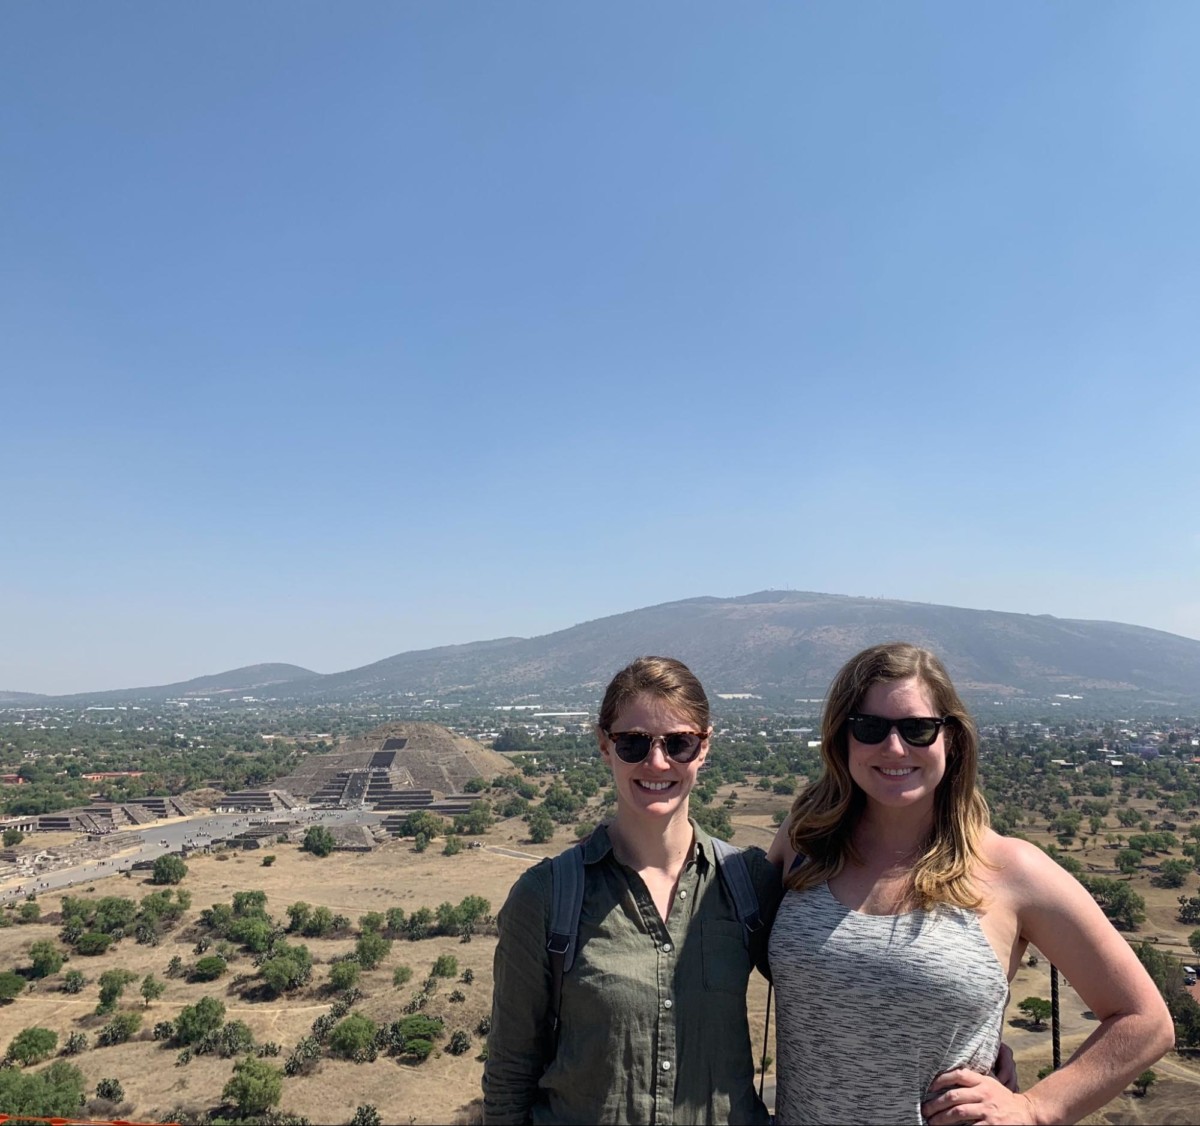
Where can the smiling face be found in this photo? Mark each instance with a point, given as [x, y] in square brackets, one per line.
[894, 773]
[658, 786]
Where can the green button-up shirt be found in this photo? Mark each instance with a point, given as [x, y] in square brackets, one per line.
[653, 1026]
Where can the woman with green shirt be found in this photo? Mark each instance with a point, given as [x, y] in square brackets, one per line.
[652, 1021]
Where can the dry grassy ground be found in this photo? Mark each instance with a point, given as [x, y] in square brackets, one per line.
[435, 1091]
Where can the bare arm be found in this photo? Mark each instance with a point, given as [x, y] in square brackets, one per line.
[1057, 915]
[781, 853]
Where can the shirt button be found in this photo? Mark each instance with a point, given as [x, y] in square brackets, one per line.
[683, 895]
[666, 1065]
[666, 948]
[668, 1003]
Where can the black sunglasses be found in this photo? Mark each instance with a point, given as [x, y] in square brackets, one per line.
[633, 746]
[916, 731]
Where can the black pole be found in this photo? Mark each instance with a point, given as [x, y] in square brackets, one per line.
[1056, 1039]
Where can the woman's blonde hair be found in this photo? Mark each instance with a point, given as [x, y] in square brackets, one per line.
[826, 812]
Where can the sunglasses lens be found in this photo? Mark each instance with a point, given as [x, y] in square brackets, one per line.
[869, 729]
[917, 732]
[683, 746]
[632, 746]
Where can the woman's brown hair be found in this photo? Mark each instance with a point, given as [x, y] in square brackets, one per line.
[665, 679]
[826, 812]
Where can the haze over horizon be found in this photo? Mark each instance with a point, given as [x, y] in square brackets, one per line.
[335, 332]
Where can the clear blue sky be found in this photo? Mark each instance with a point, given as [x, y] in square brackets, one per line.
[330, 331]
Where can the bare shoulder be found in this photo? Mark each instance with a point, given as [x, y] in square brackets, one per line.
[1023, 871]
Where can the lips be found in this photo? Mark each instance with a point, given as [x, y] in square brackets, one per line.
[896, 771]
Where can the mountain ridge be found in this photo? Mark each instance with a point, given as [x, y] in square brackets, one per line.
[778, 642]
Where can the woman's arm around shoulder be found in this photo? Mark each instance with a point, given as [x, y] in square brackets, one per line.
[520, 1037]
[781, 853]
[1058, 915]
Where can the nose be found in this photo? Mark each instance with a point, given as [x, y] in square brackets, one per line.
[894, 743]
[658, 756]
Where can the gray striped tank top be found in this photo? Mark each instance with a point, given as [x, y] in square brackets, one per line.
[873, 1007]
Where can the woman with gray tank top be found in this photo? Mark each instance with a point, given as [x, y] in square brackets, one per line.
[906, 917]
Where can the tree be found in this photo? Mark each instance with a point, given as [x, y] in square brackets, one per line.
[366, 1115]
[197, 1021]
[73, 981]
[112, 985]
[344, 974]
[208, 968]
[541, 827]
[169, 870]
[32, 1045]
[1037, 1009]
[1194, 942]
[459, 1043]
[452, 847]
[445, 966]
[111, 1090]
[352, 1036]
[255, 1087]
[119, 1029]
[371, 949]
[47, 958]
[13, 837]
[1143, 1082]
[1172, 873]
[1189, 909]
[54, 1092]
[92, 944]
[318, 840]
[289, 968]
[1128, 861]
[152, 988]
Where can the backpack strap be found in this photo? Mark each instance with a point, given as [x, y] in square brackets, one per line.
[566, 905]
[731, 865]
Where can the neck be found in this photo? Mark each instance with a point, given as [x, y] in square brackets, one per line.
[640, 843]
[892, 836]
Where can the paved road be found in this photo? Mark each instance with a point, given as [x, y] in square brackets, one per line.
[194, 830]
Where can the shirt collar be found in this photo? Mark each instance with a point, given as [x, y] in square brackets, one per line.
[599, 845]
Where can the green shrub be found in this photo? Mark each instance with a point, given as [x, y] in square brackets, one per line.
[343, 975]
[318, 840]
[169, 870]
[352, 1037]
[371, 949]
[46, 958]
[111, 1090]
[119, 1029]
[32, 1045]
[54, 1092]
[208, 968]
[445, 966]
[92, 943]
[401, 975]
[460, 1042]
[11, 985]
[255, 1087]
[196, 1021]
[77, 1042]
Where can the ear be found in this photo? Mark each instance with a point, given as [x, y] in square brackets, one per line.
[704, 747]
[605, 748]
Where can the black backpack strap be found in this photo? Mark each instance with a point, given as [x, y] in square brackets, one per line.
[566, 905]
[731, 865]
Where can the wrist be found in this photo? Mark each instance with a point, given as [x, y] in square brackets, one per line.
[1033, 1118]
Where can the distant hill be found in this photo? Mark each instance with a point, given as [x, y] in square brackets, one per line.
[248, 680]
[781, 643]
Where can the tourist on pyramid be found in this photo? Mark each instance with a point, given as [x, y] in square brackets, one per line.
[640, 1017]
[906, 918]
